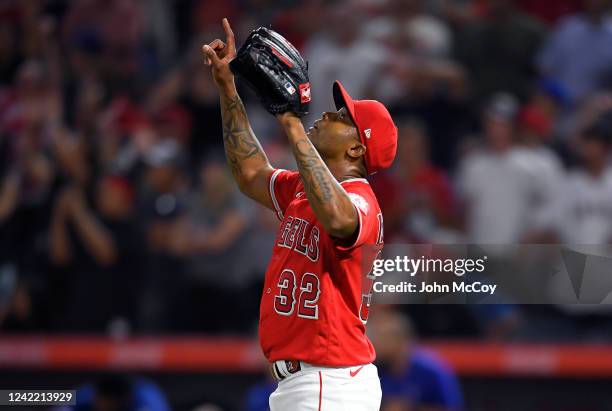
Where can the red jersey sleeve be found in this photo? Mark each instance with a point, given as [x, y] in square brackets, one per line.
[370, 227]
[283, 185]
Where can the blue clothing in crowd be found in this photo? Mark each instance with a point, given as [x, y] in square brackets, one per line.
[145, 396]
[426, 381]
[258, 395]
[578, 55]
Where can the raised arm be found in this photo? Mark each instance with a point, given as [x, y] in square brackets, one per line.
[326, 196]
[246, 158]
[95, 237]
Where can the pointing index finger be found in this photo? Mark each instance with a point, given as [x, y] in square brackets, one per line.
[230, 35]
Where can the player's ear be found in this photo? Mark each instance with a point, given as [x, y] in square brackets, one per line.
[356, 150]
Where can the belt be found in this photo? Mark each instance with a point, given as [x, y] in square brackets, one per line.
[282, 369]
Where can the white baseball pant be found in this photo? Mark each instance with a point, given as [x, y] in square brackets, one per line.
[329, 389]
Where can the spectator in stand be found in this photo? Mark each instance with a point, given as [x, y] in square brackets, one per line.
[418, 78]
[535, 129]
[28, 111]
[584, 217]
[411, 378]
[162, 202]
[497, 180]
[338, 47]
[585, 203]
[418, 201]
[119, 393]
[95, 21]
[161, 36]
[578, 53]
[96, 242]
[211, 234]
[202, 103]
[546, 115]
[407, 24]
[498, 51]
[163, 197]
[31, 105]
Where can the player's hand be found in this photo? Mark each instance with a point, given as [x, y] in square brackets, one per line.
[218, 55]
[288, 119]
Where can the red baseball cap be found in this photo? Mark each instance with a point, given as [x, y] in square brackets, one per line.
[376, 128]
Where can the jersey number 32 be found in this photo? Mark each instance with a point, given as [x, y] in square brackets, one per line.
[309, 291]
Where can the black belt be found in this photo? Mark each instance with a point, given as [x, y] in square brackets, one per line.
[284, 368]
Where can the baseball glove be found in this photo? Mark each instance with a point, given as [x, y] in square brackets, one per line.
[275, 70]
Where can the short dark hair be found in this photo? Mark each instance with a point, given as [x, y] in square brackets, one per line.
[600, 129]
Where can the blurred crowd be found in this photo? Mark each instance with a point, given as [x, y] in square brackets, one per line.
[118, 214]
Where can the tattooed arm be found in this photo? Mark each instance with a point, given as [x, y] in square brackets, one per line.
[247, 160]
[326, 196]
[249, 163]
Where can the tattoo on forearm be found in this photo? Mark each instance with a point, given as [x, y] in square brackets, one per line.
[239, 141]
[315, 175]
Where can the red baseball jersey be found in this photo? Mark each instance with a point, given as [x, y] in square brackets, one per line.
[317, 289]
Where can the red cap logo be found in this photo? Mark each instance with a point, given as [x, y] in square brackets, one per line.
[375, 125]
[304, 92]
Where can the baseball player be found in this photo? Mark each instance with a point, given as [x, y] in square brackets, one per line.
[316, 294]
